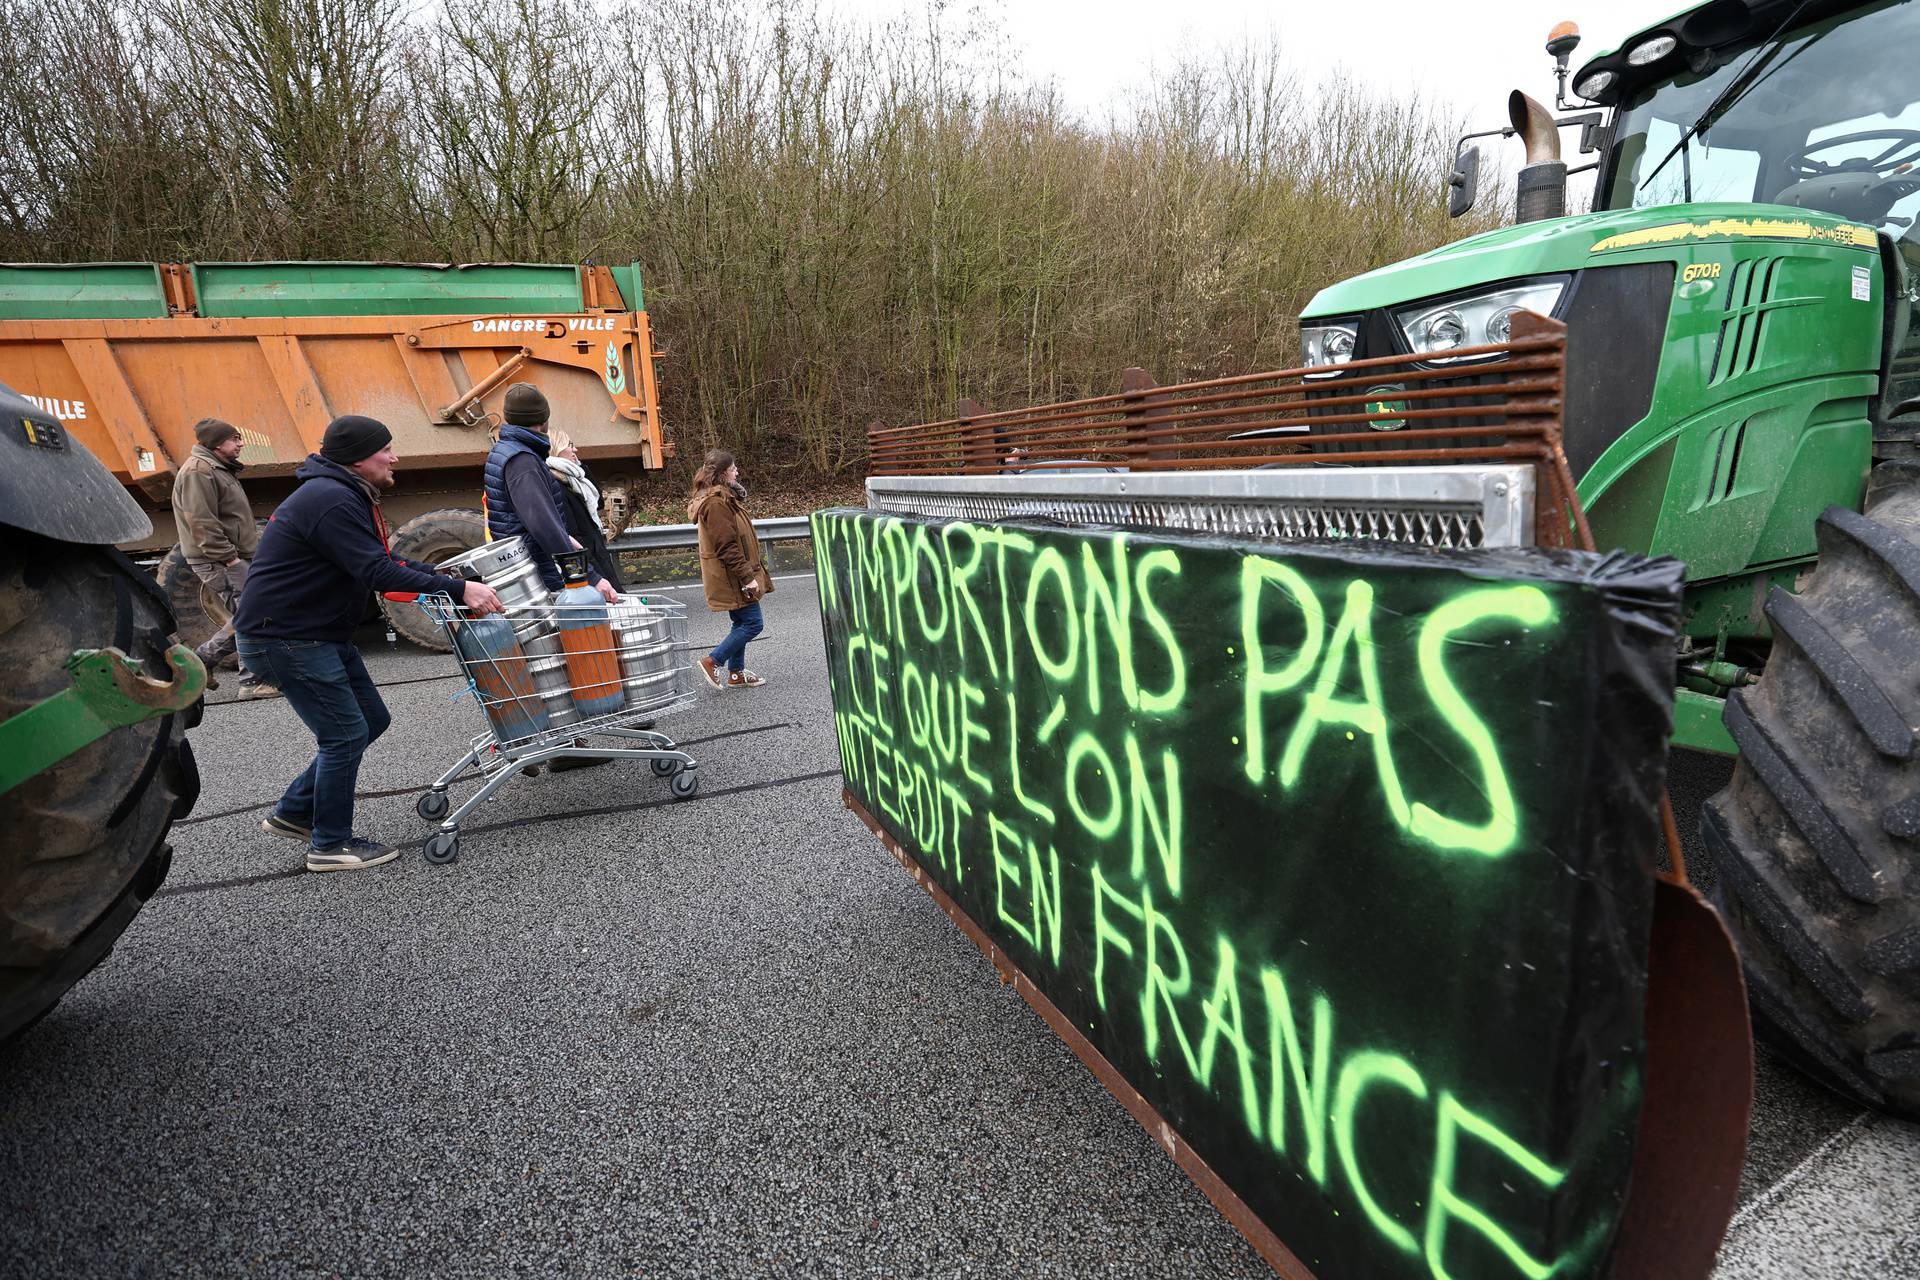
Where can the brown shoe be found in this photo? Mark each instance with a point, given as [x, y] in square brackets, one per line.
[709, 672]
[743, 679]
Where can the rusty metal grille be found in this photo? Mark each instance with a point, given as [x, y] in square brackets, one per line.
[1494, 412]
[1452, 507]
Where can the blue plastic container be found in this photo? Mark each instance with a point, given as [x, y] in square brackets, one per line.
[499, 670]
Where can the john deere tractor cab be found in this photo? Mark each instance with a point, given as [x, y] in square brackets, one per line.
[1743, 367]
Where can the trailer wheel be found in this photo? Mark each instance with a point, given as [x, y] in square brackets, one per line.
[85, 840]
[1817, 837]
[616, 506]
[431, 538]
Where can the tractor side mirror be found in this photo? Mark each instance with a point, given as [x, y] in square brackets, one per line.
[1593, 130]
[1463, 184]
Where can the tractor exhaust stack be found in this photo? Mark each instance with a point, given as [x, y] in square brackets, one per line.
[1543, 182]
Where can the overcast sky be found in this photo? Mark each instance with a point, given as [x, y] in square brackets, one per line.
[1467, 56]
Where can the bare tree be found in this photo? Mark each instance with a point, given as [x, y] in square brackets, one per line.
[509, 142]
[96, 171]
[295, 100]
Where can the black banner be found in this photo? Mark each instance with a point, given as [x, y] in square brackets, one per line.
[1341, 856]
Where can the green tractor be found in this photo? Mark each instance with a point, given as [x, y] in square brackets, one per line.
[1743, 393]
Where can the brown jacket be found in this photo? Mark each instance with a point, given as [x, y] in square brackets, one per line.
[211, 509]
[729, 549]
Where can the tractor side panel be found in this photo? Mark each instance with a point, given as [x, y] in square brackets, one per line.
[1768, 368]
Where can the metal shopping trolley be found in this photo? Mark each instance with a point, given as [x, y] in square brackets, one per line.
[549, 677]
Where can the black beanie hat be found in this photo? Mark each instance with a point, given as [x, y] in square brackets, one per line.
[352, 438]
[525, 406]
[212, 432]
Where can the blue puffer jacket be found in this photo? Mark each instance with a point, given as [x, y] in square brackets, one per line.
[324, 549]
[503, 521]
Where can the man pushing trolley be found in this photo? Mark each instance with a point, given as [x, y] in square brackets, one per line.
[552, 672]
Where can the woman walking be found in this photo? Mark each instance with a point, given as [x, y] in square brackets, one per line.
[581, 507]
[731, 568]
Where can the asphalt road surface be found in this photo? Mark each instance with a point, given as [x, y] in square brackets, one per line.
[628, 1036]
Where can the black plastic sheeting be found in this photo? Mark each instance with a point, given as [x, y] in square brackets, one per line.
[1341, 854]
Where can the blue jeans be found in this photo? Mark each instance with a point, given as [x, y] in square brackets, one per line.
[329, 689]
[731, 653]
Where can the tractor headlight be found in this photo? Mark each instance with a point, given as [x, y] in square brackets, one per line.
[1649, 51]
[1434, 328]
[1324, 344]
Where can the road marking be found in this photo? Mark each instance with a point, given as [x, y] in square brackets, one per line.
[235, 882]
[1792, 1177]
[1844, 1213]
[198, 818]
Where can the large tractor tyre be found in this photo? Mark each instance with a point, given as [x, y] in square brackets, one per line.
[430, 539]
[85, 840]
[197, 612]
[1817, 837]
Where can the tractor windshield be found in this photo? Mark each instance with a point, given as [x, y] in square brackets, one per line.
[1827, 117]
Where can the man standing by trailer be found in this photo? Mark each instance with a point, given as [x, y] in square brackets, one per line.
[217, 533]
[323, 552]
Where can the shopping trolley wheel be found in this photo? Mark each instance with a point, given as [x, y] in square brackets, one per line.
[432, 806]
[684, 784]
[443, 847]
[666, 768]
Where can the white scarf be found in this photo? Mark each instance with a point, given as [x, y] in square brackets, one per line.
[574, 476]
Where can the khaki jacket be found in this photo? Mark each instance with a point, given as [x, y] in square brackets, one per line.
[729, 549]
[211, 509]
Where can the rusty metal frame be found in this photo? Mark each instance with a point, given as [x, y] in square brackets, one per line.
[1282, 1259]
[1204, 425]
[176, 285]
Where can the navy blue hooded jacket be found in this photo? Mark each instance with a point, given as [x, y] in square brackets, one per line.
[523, 497]
[322, 552]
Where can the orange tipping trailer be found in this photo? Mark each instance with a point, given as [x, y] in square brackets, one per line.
[130, 355]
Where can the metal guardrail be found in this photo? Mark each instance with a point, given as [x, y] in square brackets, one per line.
[660, 537]
[654, 537]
